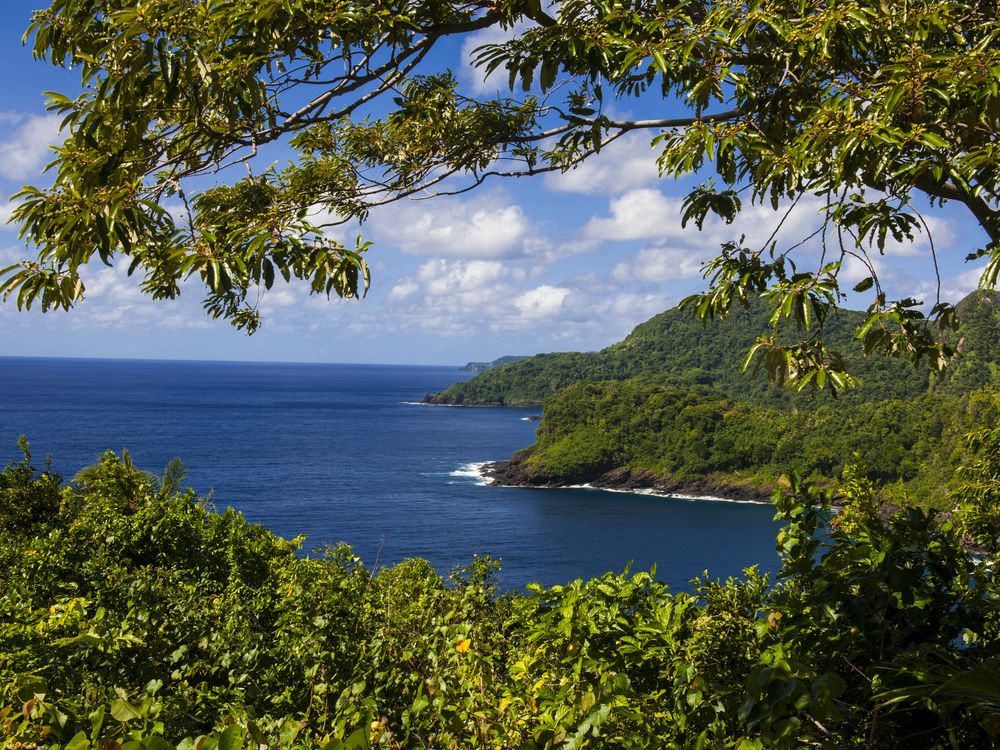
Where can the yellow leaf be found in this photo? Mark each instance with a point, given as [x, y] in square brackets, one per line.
[463, 645]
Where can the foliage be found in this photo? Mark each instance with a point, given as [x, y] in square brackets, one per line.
[141, 618]
[27, 502]
[977, 500]
[849, 101]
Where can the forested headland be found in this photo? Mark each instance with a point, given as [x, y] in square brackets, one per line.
[668, 408]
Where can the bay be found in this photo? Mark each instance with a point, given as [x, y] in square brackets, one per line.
[345, 453]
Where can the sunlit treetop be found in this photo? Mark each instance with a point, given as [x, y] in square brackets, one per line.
[864, 103]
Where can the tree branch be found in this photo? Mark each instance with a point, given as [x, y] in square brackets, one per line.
[988, 218]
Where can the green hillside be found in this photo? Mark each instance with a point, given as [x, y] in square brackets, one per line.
[668, 407]
[136, 618]
[677, 345]
[643, 432]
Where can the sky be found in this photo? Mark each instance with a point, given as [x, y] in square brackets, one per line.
[562, 262]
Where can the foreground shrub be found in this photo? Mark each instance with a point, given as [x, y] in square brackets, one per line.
[132, 615]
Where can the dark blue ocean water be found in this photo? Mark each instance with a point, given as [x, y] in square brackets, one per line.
[341, 453]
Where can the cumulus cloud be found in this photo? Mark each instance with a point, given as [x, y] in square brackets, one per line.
[112, 299]
[468, 296]
[547, 249]
[933, 228]
[6, 211]
[26, 147]
[486, 226]
[475, 298]
[404, 289]
[659, 263]
[541, 302]
[642, 213]
[854, 269]
[956, 287]
[646, 213]
[628, 163]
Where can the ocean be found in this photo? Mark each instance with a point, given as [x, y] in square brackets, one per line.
[347, 453]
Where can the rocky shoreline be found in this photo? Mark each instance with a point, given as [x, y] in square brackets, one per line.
[441, 399]
[516, 473]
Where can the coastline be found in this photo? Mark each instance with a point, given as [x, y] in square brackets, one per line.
[439, 399]
[512, 474]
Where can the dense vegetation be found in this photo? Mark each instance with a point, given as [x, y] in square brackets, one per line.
[644, 432]
[676, 344]
[668, 407]
[132, 615]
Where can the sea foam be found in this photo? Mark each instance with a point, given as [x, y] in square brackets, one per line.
[650, 492]
[472, 470]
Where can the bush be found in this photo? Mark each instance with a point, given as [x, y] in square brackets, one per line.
[132, 615]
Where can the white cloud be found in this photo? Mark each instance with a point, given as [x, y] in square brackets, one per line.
[853, 269]
[26, 149]
[958, 286]
[6, 211]
[544, 248]
[953, 288]
[403, 289]
[641, 213]
[441, 277]
[284, 297]
[646, 213]
[112, 299]
[627, 163]
[486, 226]
[940, 231]
[475, 298]
[542, 302]
[635, 308]
[659, 263]
[469, 296]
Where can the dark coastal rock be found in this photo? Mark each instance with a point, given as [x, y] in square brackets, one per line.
[444, 399]
[441, 399]
[518, 473]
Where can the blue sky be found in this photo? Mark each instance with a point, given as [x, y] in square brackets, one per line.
[561, 262]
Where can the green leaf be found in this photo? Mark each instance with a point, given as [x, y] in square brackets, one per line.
[124, 711]
[358, 740]
[232, 738]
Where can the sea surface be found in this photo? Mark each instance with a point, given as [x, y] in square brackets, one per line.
[347, 453]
